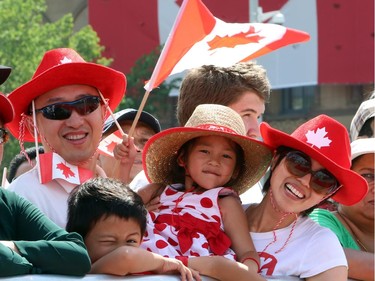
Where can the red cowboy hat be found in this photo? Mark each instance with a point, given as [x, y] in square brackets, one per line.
[61, 67]
[6, 108]
[326, 141]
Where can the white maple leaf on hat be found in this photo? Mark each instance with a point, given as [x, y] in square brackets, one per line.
[65, 60]
[318, 138]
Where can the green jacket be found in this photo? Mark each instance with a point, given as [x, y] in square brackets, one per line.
[44, 246]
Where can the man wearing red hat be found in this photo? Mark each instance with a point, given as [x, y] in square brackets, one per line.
[30, 243]
[63, 106]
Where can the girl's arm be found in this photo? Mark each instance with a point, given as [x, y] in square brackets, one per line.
[236, 227]
[223, 269]
[127, 260]
[339, 273]
[149, 194]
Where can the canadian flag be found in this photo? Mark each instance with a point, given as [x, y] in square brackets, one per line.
[107, 145]
[198, 38]
[53, 166]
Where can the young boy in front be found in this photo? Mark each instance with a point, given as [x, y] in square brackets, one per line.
[112, 220]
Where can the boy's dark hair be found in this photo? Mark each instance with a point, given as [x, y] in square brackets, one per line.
[20, 158]
[100, 198]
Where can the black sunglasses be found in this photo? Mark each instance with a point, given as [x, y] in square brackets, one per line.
[63, 110]
[299, 165]
[4, 136]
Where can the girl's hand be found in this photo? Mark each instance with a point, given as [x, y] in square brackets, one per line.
[173, 265]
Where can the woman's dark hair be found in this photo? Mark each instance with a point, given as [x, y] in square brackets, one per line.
[100, 198]
[281, 152]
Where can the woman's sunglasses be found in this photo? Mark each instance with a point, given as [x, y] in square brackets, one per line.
[63, 110]
[299, 165]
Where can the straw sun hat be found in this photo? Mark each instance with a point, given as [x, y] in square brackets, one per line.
[160, 152]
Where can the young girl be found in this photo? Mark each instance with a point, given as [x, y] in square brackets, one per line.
[202, 168]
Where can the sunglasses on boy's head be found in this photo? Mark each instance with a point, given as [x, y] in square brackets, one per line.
[299, 165]
[63, 110]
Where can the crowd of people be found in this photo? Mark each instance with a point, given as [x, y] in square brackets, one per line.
[221, 195]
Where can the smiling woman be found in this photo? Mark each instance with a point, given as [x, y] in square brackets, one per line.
[310, 165]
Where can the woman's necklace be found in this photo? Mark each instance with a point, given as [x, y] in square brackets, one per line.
[359, 243]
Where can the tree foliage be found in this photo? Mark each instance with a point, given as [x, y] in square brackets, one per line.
[25, 37]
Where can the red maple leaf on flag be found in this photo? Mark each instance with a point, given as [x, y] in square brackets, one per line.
[67, 172]
[241, 38]
[110, 147]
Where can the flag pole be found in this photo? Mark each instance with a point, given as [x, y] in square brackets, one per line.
[140, 109]
[111, 113]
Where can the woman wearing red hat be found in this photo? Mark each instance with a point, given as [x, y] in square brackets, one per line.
[29, 242]
[310, 165]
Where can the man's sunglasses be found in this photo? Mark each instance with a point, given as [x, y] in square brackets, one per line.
[4, 136]
[299, 165]
[63, 110]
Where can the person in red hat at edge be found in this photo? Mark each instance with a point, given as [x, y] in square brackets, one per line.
[30, 243]
[63, 106]
[309, 166]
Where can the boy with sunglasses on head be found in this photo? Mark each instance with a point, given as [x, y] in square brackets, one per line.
[112, 221]
[62, 107]
[310, 165]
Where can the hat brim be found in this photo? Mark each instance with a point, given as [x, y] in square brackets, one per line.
[111, 84]
[160, 155]
[7, 111]
[4, 73]
[353, 188]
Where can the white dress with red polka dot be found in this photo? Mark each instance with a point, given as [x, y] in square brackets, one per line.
[188, 224]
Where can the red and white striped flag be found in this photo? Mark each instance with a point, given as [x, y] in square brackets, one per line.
[53, 166]
[107, 145]
[198, 38]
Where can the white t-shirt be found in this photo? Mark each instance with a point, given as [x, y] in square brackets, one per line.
[312, 249]
[51, 198]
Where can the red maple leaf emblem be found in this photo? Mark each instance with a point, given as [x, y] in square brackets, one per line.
[111, 146]
[241, 38]
[67, 172]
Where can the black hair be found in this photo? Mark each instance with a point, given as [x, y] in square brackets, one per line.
[20, 158]
[366, 130]
[102, 197]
